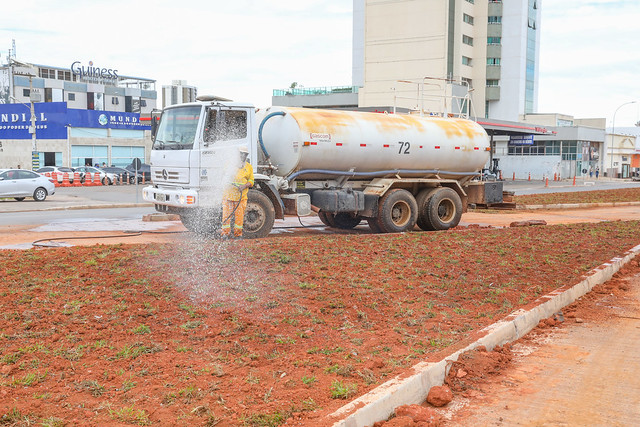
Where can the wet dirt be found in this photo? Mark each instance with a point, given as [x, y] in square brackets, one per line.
[264, 332]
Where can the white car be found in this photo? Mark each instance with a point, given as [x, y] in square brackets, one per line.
[105, 177]
[20, 183]
[60, 171]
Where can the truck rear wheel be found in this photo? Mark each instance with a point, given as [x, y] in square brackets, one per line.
[443, 209]
[259, 215]
[422, 200]
[202, 221]
[327, 218]
[397, 211]
[346, 221]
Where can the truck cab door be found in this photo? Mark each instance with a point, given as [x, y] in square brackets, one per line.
[225, 129]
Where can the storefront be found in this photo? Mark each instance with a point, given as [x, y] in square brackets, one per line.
[70, 137]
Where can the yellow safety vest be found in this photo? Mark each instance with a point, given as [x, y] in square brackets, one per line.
[244, 175]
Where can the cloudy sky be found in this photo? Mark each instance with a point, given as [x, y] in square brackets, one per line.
[589, 59]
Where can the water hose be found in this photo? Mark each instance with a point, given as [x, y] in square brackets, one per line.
[275, 113]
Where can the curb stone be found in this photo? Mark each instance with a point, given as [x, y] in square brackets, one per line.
[381, 402]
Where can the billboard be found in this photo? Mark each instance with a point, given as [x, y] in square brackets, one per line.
[53, 119]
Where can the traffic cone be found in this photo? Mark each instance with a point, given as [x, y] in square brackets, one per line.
[546, 184]
[54, 176]
[65, 180]
[574, 180]
[142, 177]
[76, 180]
[514, 176]
[87, 179]
[119, 179]
[96, 179]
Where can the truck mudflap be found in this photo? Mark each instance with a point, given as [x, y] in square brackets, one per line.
[178, 198]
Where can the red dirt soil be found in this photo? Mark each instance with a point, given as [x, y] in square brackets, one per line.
[265, 332]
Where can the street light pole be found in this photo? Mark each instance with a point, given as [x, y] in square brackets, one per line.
[613, 127]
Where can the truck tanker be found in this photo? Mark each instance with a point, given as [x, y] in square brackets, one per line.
[393, 171]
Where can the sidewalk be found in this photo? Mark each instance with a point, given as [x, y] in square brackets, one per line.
[81, 198]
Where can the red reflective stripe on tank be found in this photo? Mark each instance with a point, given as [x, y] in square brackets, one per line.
[437, 147]
[386, 145]
[339, 144]
[421, 146]
[476, 148]
[363, 145]
[457, 148]
[314, 143]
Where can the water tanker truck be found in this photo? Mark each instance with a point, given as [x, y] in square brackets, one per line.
[393, 171]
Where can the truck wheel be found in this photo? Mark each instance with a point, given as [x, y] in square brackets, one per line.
[443, 210]
[373, 225]
[259, 215]
[327, 218]
[202, 221]
[397, 211]
[346, 221]
[422, 200]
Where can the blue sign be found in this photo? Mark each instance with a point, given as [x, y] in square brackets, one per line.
[521, 140]
[15, 120]
[53, 118]
[105, 119]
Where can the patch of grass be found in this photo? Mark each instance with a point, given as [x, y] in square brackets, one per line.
[130, 415]
[93, 387]
[142, 329]
[131, 351]
[340, 390]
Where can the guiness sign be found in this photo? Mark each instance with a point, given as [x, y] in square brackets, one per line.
[92, 73]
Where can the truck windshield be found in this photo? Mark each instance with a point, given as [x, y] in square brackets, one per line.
[177, 129]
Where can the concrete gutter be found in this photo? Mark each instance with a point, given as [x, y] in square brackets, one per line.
[380, 403]
[576, 205]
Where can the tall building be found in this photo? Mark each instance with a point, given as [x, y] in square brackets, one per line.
[430, 54]
[177, 93]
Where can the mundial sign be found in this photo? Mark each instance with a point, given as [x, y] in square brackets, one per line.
[52, 119]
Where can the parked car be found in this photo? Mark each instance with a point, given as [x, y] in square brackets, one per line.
[20, 183]
[59, 170]
[144, 169]
[127, 176]
[105, 177]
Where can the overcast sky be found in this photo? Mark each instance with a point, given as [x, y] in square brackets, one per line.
[589, 53]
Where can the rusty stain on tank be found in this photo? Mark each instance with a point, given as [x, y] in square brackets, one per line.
[335, 122]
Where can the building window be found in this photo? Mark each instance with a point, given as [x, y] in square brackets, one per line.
[26, 92]
[494, 40]
[493, 83]
[467, 18]
[71, 97]
[471, 1]
[115, 100]
[143, 102]
[493, 61]
[466, 61]
[64, 75]
[467, 40]
[46, 73]
[495, 19]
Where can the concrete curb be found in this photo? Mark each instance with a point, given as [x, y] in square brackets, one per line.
[576, 205]
[79, 207]
[380, 402]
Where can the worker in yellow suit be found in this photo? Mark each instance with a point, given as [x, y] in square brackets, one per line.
[235, 197]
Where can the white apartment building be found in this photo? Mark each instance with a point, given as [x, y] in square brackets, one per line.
[177, 93]
[427, 54]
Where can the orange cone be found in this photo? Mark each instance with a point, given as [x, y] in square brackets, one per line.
[76, 180]
[514, 176]
[574, 180]
[87, 179]
[54, 176]
[546, 184]
[65, 180]
[96, 179]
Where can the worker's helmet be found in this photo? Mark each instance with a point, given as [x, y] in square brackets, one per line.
[243, 150]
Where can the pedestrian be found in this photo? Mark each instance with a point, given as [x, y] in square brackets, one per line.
[235, 197]
[104, 165]
[591, 172]
[597, 172]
